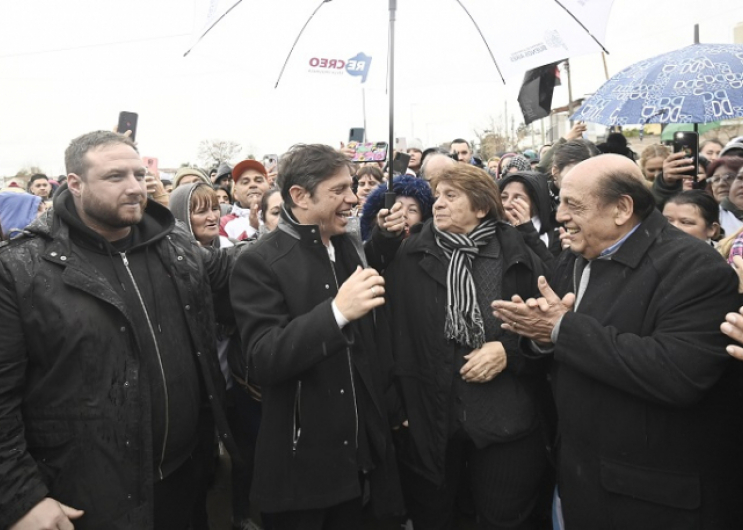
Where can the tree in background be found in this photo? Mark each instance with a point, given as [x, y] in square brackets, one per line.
[492, 144]
[23, 175]
[213, 152]
[494, 138]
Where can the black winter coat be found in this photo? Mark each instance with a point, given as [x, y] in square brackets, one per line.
[425, 360]
[74, 412]
[322, 387]
[648, 400]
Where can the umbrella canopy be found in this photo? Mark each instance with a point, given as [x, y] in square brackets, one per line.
[671, 129]
[352, 42]
[345, 42]
[700, 83]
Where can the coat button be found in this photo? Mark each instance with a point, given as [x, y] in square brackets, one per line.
[345, 442]
[224, 436]
[327, 286]
[198, 354]
[211, 397]
[315, 241]
[127, 443]
[53, 254]
[126, 383]
[342, 391]
[122, 329]
[129, 496]
[313, 230]
[188, 308]
[180, 258]
[63, 258]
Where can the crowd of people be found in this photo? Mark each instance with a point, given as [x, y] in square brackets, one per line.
[545, 339]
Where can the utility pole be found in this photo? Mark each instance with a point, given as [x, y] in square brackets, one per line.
[505, 120]
[541, 126]
[570, 91]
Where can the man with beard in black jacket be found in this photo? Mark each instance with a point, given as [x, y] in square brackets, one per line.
[108, 368]
[304, 303]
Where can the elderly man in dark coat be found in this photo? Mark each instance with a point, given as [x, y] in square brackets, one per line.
[647, 398]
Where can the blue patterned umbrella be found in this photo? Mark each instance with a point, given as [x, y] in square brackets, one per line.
[697, 84]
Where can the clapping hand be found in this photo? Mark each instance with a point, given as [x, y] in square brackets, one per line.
[534, 318]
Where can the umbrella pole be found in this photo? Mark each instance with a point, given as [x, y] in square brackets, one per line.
[696, 41]
[389, 196]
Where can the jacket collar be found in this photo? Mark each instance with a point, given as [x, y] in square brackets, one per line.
[76, 272]
[511, 244]
[304, 233]
[310, 235]
[433, 261]
[637, 245]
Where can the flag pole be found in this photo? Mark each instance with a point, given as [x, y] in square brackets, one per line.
[363, 109]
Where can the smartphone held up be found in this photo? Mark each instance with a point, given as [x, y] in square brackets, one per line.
[356, 135]
[687, 142]
[128, 122]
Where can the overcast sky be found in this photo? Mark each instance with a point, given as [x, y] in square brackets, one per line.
[69, 67]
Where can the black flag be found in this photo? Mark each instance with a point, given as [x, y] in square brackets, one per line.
[535, 96]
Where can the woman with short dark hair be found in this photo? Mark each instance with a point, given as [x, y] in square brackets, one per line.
[696, 213]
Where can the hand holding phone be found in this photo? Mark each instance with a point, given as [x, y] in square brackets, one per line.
[676, 167]
[356, 135]
[270, 162]
[400, 163]
[151, 182]
[128, 122]
[687, 142]
[151, 163]
[370, 152]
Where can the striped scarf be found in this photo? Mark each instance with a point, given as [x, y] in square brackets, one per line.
[463, 319]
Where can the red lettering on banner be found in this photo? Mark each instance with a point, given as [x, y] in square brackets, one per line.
[314, 61]
[331, 63]
[341, 64]
[323, 63]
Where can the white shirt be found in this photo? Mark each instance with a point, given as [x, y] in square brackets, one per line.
[538, 226]
[729, 223]
[240, 224]
[339, 318]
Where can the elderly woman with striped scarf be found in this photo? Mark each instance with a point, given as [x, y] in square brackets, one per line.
[471, 402]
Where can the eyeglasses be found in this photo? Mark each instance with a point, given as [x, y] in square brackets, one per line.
[726, 178]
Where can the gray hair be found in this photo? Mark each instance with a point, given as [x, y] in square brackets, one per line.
[611, 185]
[435, 156]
